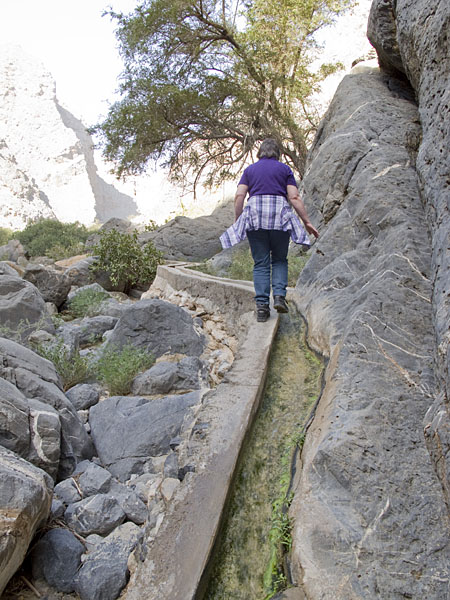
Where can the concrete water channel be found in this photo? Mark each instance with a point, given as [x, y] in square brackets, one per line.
[219, 538]
[248, 561]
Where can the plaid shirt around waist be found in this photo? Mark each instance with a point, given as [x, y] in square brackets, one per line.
[266, 212]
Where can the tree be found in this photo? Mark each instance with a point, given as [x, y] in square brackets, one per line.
[205, 80]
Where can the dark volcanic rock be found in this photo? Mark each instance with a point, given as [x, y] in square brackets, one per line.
[100, 514]
[188, 374]
[52, 284]
[57, 558]
[22, 308]
[158, 327]
[105, 571]
[83, 395]
[127, 431]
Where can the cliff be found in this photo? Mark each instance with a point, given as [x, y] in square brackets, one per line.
[46, 155]
[372, 495]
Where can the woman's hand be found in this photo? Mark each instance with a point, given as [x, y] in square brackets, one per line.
[311, 229]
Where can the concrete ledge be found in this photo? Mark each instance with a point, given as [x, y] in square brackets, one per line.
[234, 297]
[175, 560]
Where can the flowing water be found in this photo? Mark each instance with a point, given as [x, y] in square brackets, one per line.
[244, 550]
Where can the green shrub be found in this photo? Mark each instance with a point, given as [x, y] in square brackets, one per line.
[116, 368]
[5, 235]
[72, 367]
[86, 303]
[59, 252]
[295, 267]
[49, 237]
[125, 260]
[242, 265]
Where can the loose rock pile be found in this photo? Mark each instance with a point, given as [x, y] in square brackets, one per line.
[92, 469]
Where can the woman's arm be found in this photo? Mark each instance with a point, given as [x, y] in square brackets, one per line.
[296, 201]
[239, 198]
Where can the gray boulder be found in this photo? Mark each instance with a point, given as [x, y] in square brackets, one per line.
[158, 327]
[14, 420]
[105, 572]
[189, 374]
[12, 251]
[83, 395]
[220, 263]
[192, 239]
[29, 428]
[91, 329]
[129, 502]
[6, 268]
[100, 514]
[95, 287]
[57, 509]
[80, 273]
[22, 308]
[127, 431]
[53, 285]
[94, 479]
[67, 491]
[37, 379]
[56, 558]
[25, 501]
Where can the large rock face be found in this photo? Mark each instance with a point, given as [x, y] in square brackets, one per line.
[192, 239]
[372, 498]
[46, 170]
[413, 38]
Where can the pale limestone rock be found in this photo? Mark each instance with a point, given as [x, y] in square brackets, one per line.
[168, 488]
[46, 156]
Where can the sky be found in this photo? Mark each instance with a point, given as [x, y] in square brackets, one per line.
[75, 43]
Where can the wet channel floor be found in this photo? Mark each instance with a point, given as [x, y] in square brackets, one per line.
[292, 386]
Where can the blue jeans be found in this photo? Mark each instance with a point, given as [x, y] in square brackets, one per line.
[269, 247]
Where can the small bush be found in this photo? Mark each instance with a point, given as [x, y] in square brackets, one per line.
[59, 252]
[87, 303]
[242, 265]
[295, 267]
[72, 368]
[5, 236]
[125, 261]
[49, 237]
[117, 368]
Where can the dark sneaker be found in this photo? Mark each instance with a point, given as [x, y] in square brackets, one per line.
[280, 304]
[262, 312]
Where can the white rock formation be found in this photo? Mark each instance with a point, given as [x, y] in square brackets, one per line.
[46, 159]
[344, 41]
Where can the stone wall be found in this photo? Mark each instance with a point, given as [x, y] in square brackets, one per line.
[370, 507]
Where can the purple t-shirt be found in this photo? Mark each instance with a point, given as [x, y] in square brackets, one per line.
[268, 176]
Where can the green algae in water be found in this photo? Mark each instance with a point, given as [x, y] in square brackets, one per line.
[245, 550]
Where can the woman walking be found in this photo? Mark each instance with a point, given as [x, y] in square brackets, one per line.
[269, 222]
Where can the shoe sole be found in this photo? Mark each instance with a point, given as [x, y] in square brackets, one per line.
[280, 308]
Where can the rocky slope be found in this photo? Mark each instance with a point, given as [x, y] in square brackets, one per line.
[371, 504]
[47, 164]
[91, 467]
